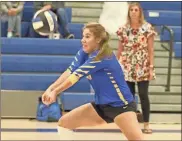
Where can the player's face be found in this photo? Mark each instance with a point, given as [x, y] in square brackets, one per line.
[89, 41]
[134, 12]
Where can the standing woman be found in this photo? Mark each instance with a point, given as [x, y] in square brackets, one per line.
[135, 53]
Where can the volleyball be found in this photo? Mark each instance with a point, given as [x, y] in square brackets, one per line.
[44, 22]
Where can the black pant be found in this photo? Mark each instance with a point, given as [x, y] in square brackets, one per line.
[144, 98]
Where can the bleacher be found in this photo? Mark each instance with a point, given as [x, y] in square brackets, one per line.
[169, 14]
[33, 64]
[30, 65]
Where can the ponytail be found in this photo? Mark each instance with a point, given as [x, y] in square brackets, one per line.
[105, 49]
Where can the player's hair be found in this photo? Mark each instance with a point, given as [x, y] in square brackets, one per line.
[99, 32]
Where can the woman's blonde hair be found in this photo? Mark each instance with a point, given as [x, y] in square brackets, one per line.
[99, 32]
[141, 18]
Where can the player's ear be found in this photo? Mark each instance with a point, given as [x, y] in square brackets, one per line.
[98, 40]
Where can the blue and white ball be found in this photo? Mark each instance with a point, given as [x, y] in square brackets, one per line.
[45, 22]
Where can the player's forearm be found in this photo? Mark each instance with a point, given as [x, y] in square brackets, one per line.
[60, 80]
[70, 81]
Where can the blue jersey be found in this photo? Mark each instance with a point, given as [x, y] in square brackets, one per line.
[105, 76]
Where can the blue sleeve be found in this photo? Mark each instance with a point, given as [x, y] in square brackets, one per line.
[79, 59]
[89, 67]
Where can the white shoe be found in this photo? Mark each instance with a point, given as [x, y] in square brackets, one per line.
[66, 134]
[10, 34]
[70, 36]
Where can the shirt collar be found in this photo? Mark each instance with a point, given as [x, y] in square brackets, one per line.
[93, 54]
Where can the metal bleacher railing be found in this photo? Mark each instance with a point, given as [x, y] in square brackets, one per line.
[170, 49]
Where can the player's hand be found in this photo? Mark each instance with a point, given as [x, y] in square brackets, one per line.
[48, 97]
[45, 99]
[45, 96]
[52, 97]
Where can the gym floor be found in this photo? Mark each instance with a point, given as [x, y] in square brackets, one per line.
[25, 129]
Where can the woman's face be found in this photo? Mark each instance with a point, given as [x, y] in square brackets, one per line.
[89, 42]
[134, 13]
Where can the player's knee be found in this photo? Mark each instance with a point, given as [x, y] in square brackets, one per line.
[141, 137]
[135, 138]
[63, 122]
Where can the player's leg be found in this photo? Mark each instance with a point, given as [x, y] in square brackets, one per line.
[82, 116]
[129, 125]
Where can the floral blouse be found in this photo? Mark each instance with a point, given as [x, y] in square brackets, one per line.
[134, 57]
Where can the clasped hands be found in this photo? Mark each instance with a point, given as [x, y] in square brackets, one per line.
[12, 12]
[49, 97]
